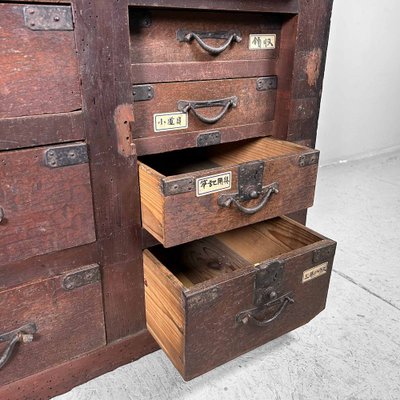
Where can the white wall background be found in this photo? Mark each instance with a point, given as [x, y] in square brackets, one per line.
[360, 109]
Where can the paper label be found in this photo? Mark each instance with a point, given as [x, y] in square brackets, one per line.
[213, 183]
[315, 272]
[262, 42]
[170, 121]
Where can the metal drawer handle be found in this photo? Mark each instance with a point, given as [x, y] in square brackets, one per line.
[186, 105]
[1, 214]
[226, 200]
[231, 36]
[248, 316]
[21, 335]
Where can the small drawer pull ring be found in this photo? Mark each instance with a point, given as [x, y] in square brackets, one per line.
[2, 215]
[231, 36]
[21, 335]
[186, 105]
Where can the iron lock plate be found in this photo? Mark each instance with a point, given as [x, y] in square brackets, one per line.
[85, 276]
[268, 282]
[63, 156]
[250, 180]
[48, 18]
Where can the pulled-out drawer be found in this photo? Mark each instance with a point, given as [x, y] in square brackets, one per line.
[49, 322]
[190, 108]
[38, 60]
[213, 299]
[171, 45]
[195, 193]
[45, 201]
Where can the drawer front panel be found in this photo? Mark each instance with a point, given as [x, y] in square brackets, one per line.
[222, 316]
[43, 208]
[200, 206]
[238, 102]
[38, 62]
[162, 36]
[236, 290]
[68, 322]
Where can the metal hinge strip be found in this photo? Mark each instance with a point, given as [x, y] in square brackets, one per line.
[63, 156]
[48, 18]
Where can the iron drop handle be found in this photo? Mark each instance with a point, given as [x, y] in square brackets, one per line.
[1, 214]
[248, 316]
[186, 105]
[21, 335]
[231, 36]
[226, 200]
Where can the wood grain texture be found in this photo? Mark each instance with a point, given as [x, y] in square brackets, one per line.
[106, 87]
[152, 200]
[253, 106]
[65, 376]
[199, 71]
[177, 141]
[309, 66]
[158, 44]
[184, 217]
[69, 323]
[218, 275]
[41, 130]
[285, 6]
[46, 266]
[164, 308]
[45, 209]
[39, 69]
[284, 70]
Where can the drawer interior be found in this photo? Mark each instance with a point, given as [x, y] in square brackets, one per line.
[208, 258]
[224, 155]
[196, 292]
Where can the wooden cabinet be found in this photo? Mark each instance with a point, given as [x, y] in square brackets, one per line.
[127, 129]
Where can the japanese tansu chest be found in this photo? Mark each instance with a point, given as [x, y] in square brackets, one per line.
[156, 164]
[211, 94]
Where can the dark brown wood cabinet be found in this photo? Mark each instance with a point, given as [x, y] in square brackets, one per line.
[148, 152]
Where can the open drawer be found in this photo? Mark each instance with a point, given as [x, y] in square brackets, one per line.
[213, 299]
[195, 193]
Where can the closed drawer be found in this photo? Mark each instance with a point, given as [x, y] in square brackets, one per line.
[174, 45]
[45, 201]
[38, 61]
[213, 299]
[194, 193]
[50, 322]
[189, 108]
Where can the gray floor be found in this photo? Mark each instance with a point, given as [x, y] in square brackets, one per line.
[351, 351]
